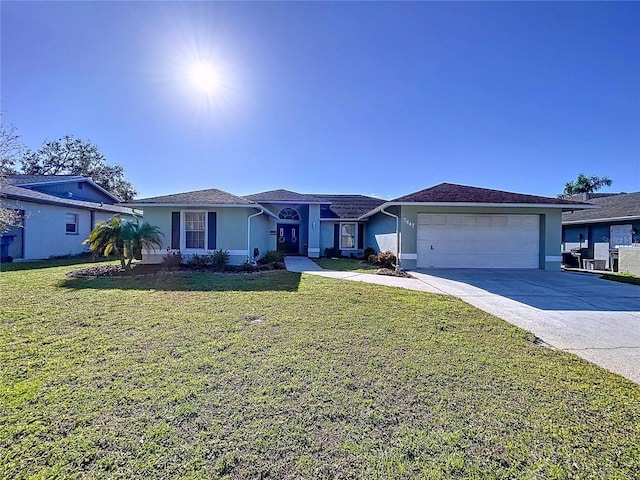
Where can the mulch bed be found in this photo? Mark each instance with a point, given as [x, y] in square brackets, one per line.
[390, 272]
[95, 271]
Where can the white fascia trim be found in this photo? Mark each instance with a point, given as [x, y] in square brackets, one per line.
[314, 250]
[68, 203]
[478, 204]
[409, 256]
[602, 220]
[340, 220]
[289, 202]
[191, 206]
[206, 251]
[238, 253]
[553, 258]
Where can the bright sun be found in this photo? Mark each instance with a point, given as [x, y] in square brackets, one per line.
[205, 78]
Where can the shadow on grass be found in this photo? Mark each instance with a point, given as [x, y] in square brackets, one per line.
[53, 262]
[193, 282]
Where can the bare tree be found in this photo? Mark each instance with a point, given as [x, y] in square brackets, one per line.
[10, 151]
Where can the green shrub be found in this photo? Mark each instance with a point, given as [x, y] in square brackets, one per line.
[332, 252]
[372, 259]
[199, 261]
[279, 265]
[248, 266]
[172, 259]
[272, 256]
[219, 259]
[386, 260]
[369, 251]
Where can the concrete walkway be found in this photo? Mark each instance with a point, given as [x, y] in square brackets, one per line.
[597, 319]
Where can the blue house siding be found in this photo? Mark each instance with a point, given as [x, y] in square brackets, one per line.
[380, 233]
[74, 190]
[595, 237]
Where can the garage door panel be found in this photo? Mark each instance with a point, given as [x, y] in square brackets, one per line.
[478, 241]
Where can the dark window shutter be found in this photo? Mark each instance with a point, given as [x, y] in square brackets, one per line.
[336, 235]
[360, 235]
[211, 225]
[175, 230]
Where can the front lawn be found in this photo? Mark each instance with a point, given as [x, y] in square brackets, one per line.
[278, 375]
[346, 265]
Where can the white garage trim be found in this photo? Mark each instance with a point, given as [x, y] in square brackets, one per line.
[478, 241]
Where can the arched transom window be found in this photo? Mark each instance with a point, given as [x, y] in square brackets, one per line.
[288, 213]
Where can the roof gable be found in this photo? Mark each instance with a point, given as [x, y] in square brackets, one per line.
[62, 186]
[347, 206]
[25, 194]
[453, 193]
[210, 196]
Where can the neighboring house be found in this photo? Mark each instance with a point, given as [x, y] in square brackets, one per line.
[58, 212]
[614, 224]
[443, 226]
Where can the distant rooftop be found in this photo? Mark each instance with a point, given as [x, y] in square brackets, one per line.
[283, 196]
[612, 206]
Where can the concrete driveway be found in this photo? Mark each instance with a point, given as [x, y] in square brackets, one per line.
[599, 320]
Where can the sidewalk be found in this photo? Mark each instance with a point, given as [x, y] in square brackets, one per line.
[305, 265]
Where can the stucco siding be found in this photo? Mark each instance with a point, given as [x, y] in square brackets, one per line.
[44, 233]
[260, 235]
[313, 226]
[380, 232]
[231, 232]
[326, 236]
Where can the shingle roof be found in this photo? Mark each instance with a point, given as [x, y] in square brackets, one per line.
[283, 196]
[20, 179]
[452, 193]
[619, 206]
[19, 193]
[347, 206]
[210, 196]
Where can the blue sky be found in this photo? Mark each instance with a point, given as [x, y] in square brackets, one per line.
[342, 97]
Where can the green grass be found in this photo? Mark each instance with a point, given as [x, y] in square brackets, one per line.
[622, 277]
[345, 265]
[278, 375]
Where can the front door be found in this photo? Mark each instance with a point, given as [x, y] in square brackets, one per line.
[288, 238]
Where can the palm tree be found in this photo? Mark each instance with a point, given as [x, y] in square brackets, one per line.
[124, 239]
[584, 184]
[144, 236]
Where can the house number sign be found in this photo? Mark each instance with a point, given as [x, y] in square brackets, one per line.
[411, 224]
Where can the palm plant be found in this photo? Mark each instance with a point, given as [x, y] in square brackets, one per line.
[124, 239]
[143, 236]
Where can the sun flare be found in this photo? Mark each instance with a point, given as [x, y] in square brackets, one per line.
[205, 78]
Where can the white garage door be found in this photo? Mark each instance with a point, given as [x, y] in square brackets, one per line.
[478, 241]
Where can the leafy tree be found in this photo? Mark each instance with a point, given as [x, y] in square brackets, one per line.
[124, 239]
[72, 156]
[584, 184]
